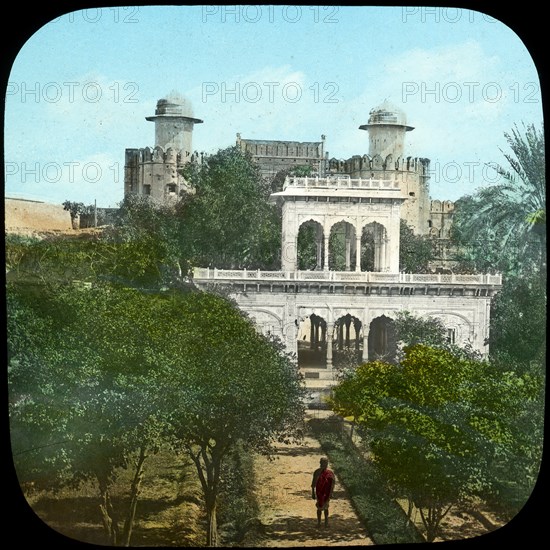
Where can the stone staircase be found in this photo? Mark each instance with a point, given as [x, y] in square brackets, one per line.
[318, 381]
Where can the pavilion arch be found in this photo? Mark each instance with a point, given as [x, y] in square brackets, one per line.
[347, 340]
[342, 246]
[459, 327]
[312, 341]
[267, 321]
[374, 238]
[382, 341]
[309, 246]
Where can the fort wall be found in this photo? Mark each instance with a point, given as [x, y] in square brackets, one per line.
[28, 216]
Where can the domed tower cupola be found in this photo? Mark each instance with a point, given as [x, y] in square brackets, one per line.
[174, 121]
[387, 126]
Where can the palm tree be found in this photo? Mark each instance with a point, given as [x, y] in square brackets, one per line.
[512, 213]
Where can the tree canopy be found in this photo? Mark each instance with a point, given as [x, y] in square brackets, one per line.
[442, 428]
[503, 226]
[101, 376]
[228, 219]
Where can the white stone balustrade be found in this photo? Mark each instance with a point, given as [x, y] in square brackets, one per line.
[348, 276]
[343, 182]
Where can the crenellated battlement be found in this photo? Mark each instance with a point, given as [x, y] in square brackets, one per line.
[358, 163]
[159, 155]
[443, 207]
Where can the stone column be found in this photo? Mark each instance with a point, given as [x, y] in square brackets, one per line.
[319, 243]
[329, 346]
[365, 344]
[384, 256]
[358, 253]
[316, 335]
[389, 262]
[357, 327]
[377, 251]
[325, 267]
[311, 333]
[348, 249]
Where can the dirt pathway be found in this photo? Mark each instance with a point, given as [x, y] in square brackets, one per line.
[287, 509]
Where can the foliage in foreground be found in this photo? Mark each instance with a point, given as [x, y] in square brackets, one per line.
[100, 378]
[442, 428]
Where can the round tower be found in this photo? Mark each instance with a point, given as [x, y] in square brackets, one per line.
[174, 123]
[387, 127]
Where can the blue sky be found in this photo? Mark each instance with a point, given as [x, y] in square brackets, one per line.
[81, 87]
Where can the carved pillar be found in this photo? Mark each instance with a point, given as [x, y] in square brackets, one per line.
[358, 253]
[319, 247]
[316, 334]
[319, 243]
[325, 267]
[377, 250]
[384, 264]
[389, 262]
[330, 328]
[357, 327]
[348, 249]
[365, 344]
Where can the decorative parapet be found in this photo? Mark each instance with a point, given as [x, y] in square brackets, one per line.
[359, 163]
[213, 275]
[340, 182]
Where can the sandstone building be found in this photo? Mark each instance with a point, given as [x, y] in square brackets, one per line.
[386, 159]
[156, 171]
[275, 156]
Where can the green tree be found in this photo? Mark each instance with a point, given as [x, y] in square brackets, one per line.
[337, 248]
[508, 219]
[416, 252]
[430, 331]
[307, 248]
[143, 248]
[229, 222]
[438, 425]
[83, 399]
[230, 385]
[412, 329]
[75, 209]
[37, 421]
[518, 321]
[277, 181]
[146, 246]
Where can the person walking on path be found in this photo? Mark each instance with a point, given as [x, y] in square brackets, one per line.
[322, 487]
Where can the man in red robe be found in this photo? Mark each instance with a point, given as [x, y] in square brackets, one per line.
[322, 487]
